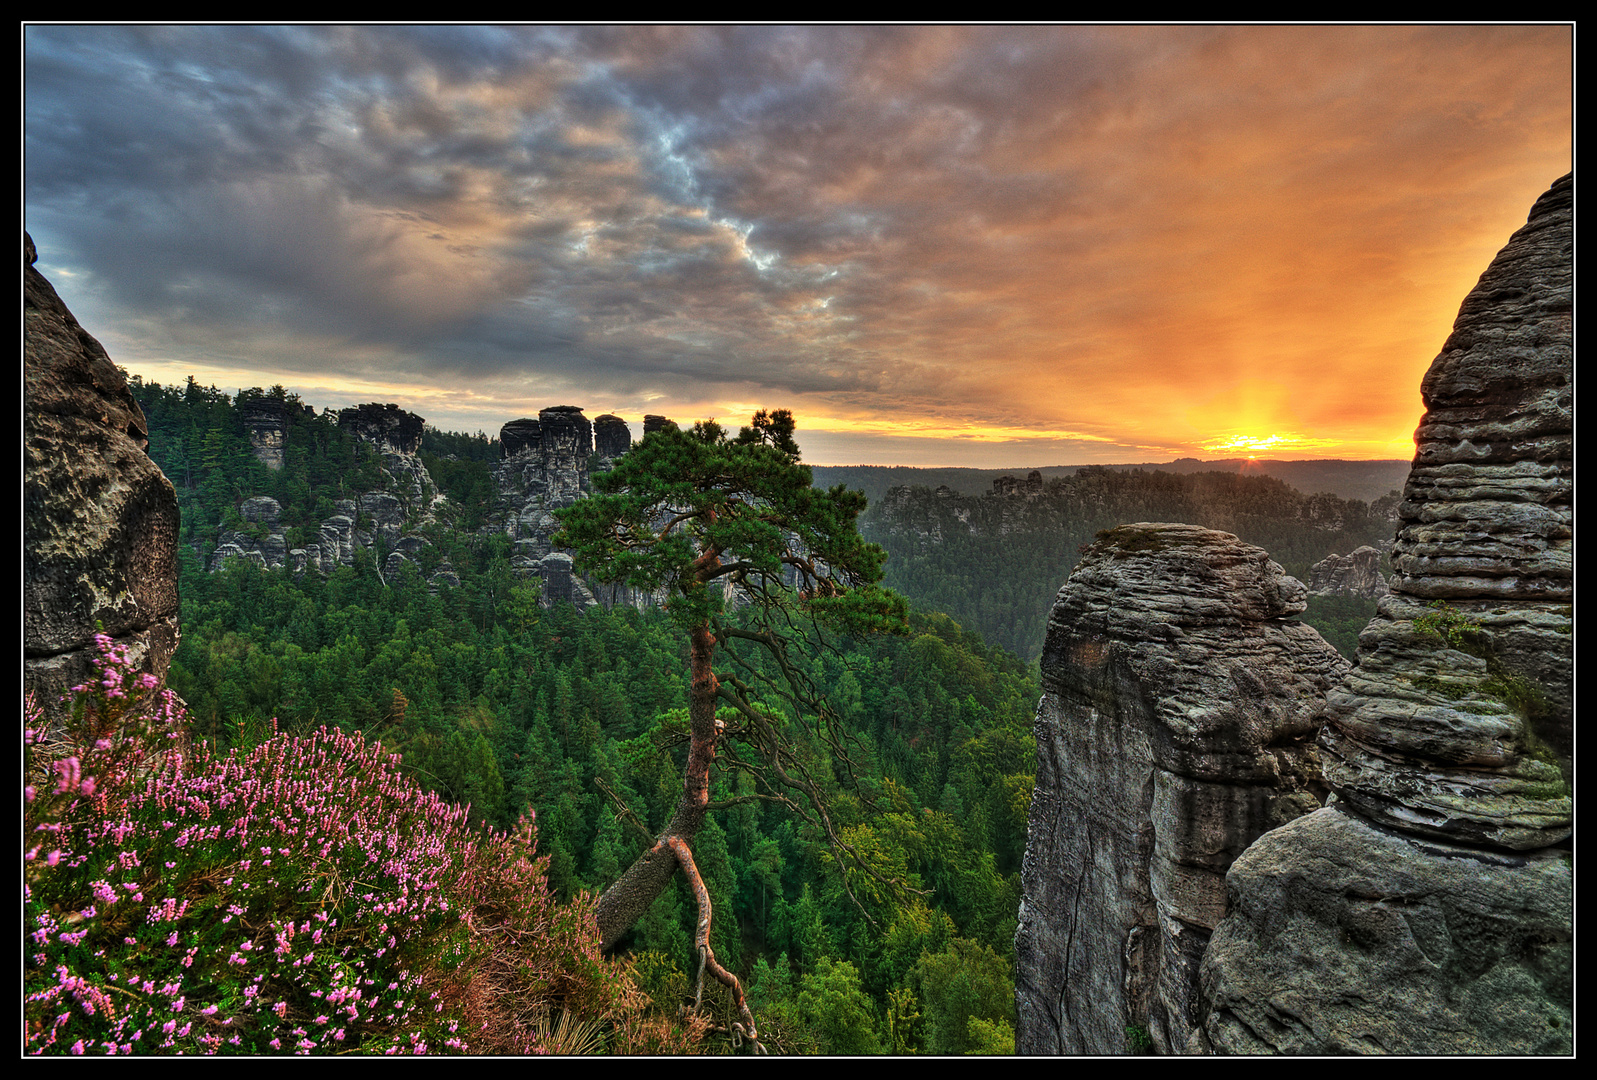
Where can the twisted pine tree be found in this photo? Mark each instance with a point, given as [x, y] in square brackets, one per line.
[748, 556]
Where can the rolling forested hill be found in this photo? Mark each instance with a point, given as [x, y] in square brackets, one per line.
[994, 562]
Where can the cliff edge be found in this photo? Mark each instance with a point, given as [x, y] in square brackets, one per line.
[100, 521]
[1429, 909]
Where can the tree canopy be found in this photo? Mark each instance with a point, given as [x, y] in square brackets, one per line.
[756, 566]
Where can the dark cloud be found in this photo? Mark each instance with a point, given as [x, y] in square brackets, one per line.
[1080, 229]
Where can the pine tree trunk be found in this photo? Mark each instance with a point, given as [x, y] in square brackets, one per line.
[624, 903]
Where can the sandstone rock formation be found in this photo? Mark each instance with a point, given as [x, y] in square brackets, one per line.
[1009, 486]
[544, 466]
[611, 439]
[1177, 724]
[1357, 573]
[383, 516]
[100, 521]
[266, 423]
[396, 435]
[1429, 909]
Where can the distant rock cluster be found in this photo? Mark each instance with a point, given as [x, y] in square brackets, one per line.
[546, 464]
[1356, 574]
[100, 521]
[1010, 487]
[386, 517]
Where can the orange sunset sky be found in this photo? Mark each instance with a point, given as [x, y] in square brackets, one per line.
[983, 246]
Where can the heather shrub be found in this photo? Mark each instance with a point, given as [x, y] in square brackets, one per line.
[300, 896]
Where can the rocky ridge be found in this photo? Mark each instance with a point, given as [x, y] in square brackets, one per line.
[547, 464]
[100, 521]
[1357, 573]
[1176, 725]
[388, 517]
[1429, 909]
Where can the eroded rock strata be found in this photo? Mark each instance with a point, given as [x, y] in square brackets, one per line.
[100, 521]
[1357, 573]
[1177, 724]
[1429, 909]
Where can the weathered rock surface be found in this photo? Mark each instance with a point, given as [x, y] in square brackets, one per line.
[384, 516]
[1346, 938]
[266, 423]
[1459, 722]
[544, 466]
[396, 435]
[1357, 573]
[1428, 911]
[611, 439]
[1177, 724]
[100, 521]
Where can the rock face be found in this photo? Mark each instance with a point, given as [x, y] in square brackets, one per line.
[1355, 574]
[266, 422]
[100, 521]
[611, 439]
[1177, 724]
[1009, 486]
[1430, 908]
[396, 434]
[382, 516]
[544, 466]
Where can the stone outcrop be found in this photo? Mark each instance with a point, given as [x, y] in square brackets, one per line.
[375, 517]
[544, 466]
[611, 439]
[1010, 487]
[265, 420]
[1355, 574]
[396, 435]
[1429, 908]
[100, 521]
[1177, 724]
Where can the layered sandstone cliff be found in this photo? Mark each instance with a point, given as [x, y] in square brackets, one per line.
[545, 465]
[387, 518]
[1177, 724]
[100, 521]
[1429, 909]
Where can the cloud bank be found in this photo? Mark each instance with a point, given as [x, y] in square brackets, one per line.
[954, 245]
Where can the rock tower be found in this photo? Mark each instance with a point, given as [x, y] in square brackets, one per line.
[1429, 908]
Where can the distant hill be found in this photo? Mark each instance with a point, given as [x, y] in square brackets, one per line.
[1365, 480]
[995, 560]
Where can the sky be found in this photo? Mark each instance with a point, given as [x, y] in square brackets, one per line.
[993, 247]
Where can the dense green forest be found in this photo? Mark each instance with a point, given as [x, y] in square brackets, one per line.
[995, 563]
[496, 700]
